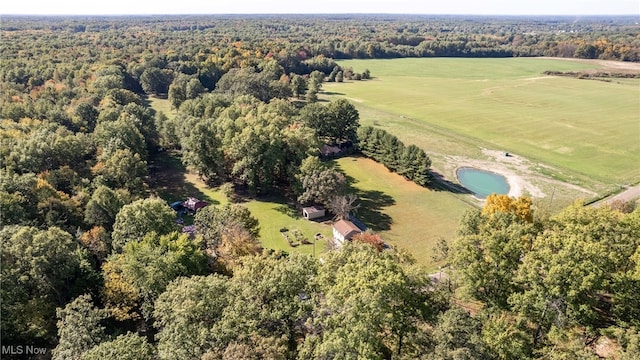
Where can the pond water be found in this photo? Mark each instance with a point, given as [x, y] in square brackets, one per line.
[482, 183]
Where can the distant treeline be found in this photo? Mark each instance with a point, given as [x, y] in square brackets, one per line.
[360, 36]
[409, 161]
[593, 75]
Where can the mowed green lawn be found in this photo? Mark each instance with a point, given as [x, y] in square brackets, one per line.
[274, 214]
[586, 127]
[408, 216]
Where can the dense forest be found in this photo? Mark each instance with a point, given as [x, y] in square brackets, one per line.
[95, 266]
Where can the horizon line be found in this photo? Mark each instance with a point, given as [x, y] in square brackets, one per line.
[311, 14]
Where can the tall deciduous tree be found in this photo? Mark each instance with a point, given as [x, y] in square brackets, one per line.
[343, 205]
[150, 265]
[507, 337]
[79, 328]
[122, 169]
[368, 308]
[336, 122]
[520, 206]
[18, 198]
[103, 207]
[318, 182]
[121, 134]
[298, 85]
[41, 270]
[137, 219]
[458, 336]
[235, 242]
[573, 264]
[488, 256]
[344, 119]
[228, 232]
[129, 346]
[186, 314]
[156, 81]
[200, 140]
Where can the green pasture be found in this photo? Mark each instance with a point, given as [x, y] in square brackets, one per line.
[408, 216]
[587, 129]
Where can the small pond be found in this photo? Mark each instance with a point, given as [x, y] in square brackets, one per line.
[482, 183]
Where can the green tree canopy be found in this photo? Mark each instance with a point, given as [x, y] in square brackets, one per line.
[149, 265]
[137, 219]
[573, 263]
[102, 208]
[129, 346]
[488, 255]
[79, 328]
[186, 314]
[41, 270]
[370, 304]
[336, 122]
[319, 182]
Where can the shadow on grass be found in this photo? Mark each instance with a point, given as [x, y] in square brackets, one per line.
[439, 183]
[288, 210]
[372, 203]
[167, 179]
[283, 206]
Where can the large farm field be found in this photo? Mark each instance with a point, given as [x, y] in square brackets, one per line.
[581, 131]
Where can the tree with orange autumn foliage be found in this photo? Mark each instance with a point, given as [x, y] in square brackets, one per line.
[370, 238]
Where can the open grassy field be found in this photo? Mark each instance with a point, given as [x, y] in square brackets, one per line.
[172, 182]
[408, 216]
[162, 105]
[588, 129]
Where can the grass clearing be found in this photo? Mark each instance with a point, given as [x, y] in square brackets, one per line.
[406, 215]
[588, 129]
[171, 181]
[162, 105]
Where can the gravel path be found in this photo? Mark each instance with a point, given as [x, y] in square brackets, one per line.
[627, 195]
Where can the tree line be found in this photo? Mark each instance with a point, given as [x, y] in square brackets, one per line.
[409, 161]
[368, 36]
[549, 287]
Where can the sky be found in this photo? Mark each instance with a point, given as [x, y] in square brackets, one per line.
[466, 7]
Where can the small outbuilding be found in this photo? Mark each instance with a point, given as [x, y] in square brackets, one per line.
[313, 212]
[330, 151]
[344, 230]
[193, 204]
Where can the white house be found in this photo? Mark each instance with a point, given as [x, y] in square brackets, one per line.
[344, 230]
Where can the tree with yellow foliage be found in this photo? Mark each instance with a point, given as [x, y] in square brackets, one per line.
[520, 206]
